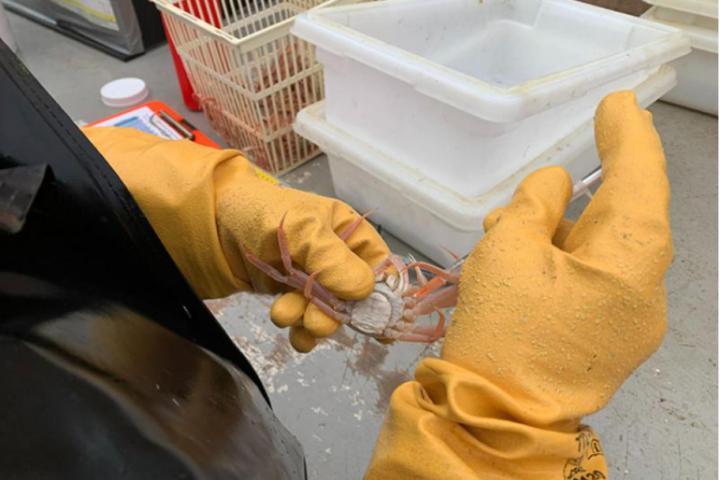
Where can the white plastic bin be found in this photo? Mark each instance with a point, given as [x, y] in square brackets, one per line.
[419, 210]
[432, 83]
[698, 72]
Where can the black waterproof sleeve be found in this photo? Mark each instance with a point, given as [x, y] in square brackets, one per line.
[110, 366]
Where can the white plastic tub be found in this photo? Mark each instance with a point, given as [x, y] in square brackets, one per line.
[433, 83]
[698, 72]
[421, 211]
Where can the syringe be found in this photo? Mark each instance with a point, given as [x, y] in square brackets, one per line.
[582, 187]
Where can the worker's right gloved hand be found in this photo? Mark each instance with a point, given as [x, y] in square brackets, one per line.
[210, 207]
[551, 320]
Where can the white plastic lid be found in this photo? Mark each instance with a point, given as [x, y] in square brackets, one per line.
[124, 92]
[706, 8]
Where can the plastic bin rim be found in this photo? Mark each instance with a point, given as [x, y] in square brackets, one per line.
[707, 42]
[474, 96]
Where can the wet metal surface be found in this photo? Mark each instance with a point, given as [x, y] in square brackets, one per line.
[332, 399]
[662, 423]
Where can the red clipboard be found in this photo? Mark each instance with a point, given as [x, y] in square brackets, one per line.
[166, 118]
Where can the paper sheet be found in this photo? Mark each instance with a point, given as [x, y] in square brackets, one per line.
[145, 120]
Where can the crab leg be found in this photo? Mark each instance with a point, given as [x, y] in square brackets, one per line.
[400, 267]
[381, 267]
[452, 253]
[420, 276]
[318, 290]
[354, 226]
[268, 270]
[425, 333]
[415, 297]
[307, 287]
[310, 284]
[393, 261]
[437, 271]
[445, 298]
[441, 278]
[341, 317]
[324, 307]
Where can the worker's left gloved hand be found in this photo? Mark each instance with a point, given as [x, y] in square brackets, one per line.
[207, 204]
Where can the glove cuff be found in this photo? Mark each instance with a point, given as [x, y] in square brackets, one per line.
[173, 181]
[513, 429]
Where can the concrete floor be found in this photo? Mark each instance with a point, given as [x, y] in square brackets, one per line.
[662, 423]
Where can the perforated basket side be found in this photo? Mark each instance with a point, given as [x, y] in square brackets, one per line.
[259, 21]
[250, 75]
[285, 151]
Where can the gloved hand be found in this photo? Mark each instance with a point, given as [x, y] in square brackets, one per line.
[206, 204]
[551, 319]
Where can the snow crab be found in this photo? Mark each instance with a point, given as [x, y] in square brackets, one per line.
[390, 311]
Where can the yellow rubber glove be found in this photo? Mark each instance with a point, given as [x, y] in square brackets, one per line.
[545, 330]
[206, 204]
